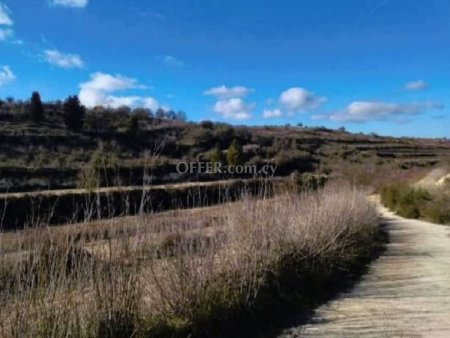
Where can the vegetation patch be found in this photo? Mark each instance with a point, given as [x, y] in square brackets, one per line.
[224, 277]
[411, 202]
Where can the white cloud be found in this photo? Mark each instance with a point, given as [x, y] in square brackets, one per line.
[6, 23]
[298, 99]
[171, 61]
[224, 92]
[98, 92]
[362, 111]
[5, 33]
[151, 103]
[233, 108]
[70, 3]
[415, 85]
[6, 75]
[61, 60]
[5, 18]
[272, 113]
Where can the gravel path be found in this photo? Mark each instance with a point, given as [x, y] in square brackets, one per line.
[405, 294]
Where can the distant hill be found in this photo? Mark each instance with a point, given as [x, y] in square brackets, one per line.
[115, 146]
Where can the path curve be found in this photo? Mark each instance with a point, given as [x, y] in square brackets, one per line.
[406, 292]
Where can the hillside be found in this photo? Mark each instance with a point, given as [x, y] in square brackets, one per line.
[121, 144]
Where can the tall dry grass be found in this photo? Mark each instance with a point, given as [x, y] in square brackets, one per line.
[185, 276]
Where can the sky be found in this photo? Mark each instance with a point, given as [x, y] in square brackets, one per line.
[378, 66]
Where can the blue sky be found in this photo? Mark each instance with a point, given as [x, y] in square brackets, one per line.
[369, 65]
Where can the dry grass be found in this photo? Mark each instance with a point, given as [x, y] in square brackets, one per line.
[180, 277]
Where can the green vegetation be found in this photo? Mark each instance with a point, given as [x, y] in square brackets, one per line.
[416, 203]
[50, 150]
[74, 113]
[405, 200]
[36, 108]
[217, 155]
[235, 154]
[133, 128]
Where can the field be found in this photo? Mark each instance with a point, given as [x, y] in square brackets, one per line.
[199, 271]
[103, 238]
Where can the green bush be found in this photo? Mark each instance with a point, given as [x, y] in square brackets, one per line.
[416, 203]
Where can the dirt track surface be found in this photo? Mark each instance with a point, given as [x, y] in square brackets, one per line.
[406, 292]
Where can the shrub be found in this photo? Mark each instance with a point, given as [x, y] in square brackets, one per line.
[235, 154]
[438, 209]
[416, 203]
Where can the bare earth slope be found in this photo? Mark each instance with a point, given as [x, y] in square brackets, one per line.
[405, 294]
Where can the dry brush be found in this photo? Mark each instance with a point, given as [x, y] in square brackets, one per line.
[186, 276]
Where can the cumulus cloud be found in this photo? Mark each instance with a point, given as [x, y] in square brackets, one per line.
[230, 103]
[5, 16]
[70, 3]
[62, 60]
[298, 99]
[5, 33]
[224, 92]
[171, 61]
[98, 91]
[272, 113]
[416, 85]
[362, 111]
[233, 108]
[6, 75]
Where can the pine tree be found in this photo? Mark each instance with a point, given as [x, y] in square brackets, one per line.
[234, 154]
[36, 108]
[217, 155]
[74, 113]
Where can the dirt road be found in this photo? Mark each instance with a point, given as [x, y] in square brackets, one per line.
[405, 294]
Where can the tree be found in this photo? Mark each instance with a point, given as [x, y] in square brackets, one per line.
[143, 113]
[133, 127]
[74, 113]
[207, 124]
[235, 154]
[171, 115]
[36, 108]
[217, 155]
[160, 113]
[92, 121]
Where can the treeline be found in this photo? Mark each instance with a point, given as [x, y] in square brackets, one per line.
[75, 115]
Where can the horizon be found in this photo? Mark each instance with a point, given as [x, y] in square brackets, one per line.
[356, 64]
